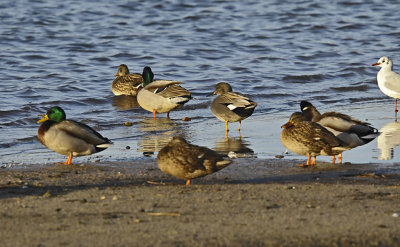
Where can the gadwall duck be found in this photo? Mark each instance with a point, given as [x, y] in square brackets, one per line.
[229, 106]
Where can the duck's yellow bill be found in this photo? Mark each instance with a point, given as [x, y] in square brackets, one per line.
[287, 125]
[43, 119]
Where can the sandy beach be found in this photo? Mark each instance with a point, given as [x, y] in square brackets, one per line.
[250, 203]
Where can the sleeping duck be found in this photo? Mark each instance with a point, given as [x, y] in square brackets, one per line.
[186, 161]
[350, 131]
[68, 137]
[161, 96]
[310, 139]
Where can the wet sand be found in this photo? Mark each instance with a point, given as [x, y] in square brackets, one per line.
[253, 202]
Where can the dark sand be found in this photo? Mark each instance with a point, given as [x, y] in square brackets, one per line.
[251, 203]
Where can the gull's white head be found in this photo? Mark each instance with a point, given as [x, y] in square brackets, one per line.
[384, 62]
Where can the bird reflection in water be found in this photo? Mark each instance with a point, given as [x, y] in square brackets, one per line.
[157, 133]
[388, 139]
[124, 102]
[234, 147]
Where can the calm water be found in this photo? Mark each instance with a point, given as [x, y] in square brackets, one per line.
[66, 52]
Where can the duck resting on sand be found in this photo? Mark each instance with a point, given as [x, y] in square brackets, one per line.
[186, 161]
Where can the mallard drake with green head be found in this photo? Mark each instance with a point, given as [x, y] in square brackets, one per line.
[310, 139]
[68, 137]
[125, 83]
[186, 161]
[161, 96]
[229, 106]
[350, 131]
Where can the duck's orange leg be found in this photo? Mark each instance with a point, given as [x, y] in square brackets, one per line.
[333, 159]
[314, 161]
[69, 160]
[188, 182]
[240, 123]
[340, 158]
[154, 114]
[308, 162]
[226, 126]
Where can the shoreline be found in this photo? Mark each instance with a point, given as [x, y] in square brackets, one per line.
[249, 203]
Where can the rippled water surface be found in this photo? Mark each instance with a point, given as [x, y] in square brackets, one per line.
[277, 52]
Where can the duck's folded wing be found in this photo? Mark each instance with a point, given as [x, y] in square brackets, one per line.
[345, 123]
[81, 131]
[235, 100]
[160, 84]
[131, 80]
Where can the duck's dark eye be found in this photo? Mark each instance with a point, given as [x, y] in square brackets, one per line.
[383, 61]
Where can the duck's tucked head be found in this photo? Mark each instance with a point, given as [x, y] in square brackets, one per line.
[221, 88]
[383, 62]
[295, 118]
[122, 70]
[147, 75]
[55, 114]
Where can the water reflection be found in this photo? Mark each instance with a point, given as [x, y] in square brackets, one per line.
[388, 139]
[157, 133]
[235, 147]
[124, 102]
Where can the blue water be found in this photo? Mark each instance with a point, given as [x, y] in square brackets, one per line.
[276, 52]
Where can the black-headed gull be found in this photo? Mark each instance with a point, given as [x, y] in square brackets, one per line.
[388, 80]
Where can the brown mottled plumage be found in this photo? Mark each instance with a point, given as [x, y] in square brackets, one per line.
[350, 131]
[309, 139]
[125, 83]
[186, 161]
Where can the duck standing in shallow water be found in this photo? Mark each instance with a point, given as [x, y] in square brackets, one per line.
[350, 131]
[68, 137]
[161, 96]
[388, 81]
[186, 161]
[310, 139]
[125, 83]
[229, 106]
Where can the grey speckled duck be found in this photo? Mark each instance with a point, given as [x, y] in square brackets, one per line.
[186, 161]
[161, 96]
[350, 131]
[68, 137]
[125, 83]
[310, 139]
[229, 106]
